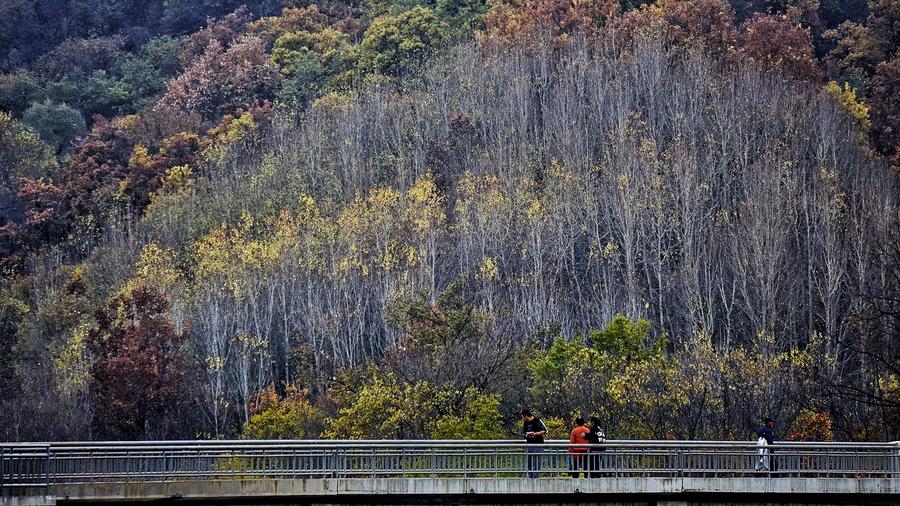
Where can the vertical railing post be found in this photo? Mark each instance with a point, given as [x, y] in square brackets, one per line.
[496, 462]
[373, 463]
[679, 462]
[465, 462]
[644, 460]
[331, 459]
[47, 484]
[1, 467]
[896, 459]
[433, 462]
[716, 463]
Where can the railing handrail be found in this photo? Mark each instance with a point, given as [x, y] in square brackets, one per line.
[28, 464]
[112, 447]
[424, 443]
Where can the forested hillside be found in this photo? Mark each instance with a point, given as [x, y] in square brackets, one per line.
[279, 219]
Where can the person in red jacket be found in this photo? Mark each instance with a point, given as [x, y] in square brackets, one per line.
[577, 456]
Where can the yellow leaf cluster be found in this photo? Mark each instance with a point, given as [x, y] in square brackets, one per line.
[856, 109]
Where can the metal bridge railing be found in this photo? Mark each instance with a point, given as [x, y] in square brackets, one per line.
[45, 464]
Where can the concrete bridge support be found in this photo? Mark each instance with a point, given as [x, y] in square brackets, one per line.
[660, 491]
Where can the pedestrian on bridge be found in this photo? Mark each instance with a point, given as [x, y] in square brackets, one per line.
[577, 460]
[765, 439]
[534, 430]
[595, 436]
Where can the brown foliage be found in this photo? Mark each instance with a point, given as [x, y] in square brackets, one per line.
[223, 31]
[45, 219]
[77, 56]
[104, 175]
[309, 19]
[85, 187]
[709, 21]
[517, 22]
[773, 41]
[448, 156]
[885, 103]
[778, 41]
[146, 172]
[222, 80]
[138, 377]
[860, 48]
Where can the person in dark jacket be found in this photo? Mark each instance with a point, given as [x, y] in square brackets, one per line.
[765, 439]
[595, 436]
[534, 430]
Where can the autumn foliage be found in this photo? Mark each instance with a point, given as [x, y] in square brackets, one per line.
[518, 21]
[222, 80]
[811, 426]
[139, 374]
[780, 42]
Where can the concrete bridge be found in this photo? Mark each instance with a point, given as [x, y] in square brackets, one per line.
[471, 472]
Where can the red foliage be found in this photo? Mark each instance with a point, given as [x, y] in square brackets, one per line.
[511, 23]
[779, 41]
[774, 41]
[139, 375]
[45, 216]
[101, 178]
[709, 21]
[52, 208]
[221, 80]
[223, 31]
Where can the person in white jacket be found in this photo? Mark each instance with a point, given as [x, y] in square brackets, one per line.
[765, 438]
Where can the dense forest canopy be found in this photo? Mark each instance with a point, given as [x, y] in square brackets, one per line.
[274, 219]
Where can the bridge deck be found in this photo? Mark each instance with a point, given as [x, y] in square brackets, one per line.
[131, 471]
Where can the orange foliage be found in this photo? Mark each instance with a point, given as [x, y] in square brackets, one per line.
[811, 426]
[269, 397]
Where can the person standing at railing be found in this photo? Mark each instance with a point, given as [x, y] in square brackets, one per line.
[534, 430]
[765, 439]
[577, 455]
[595, 436]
